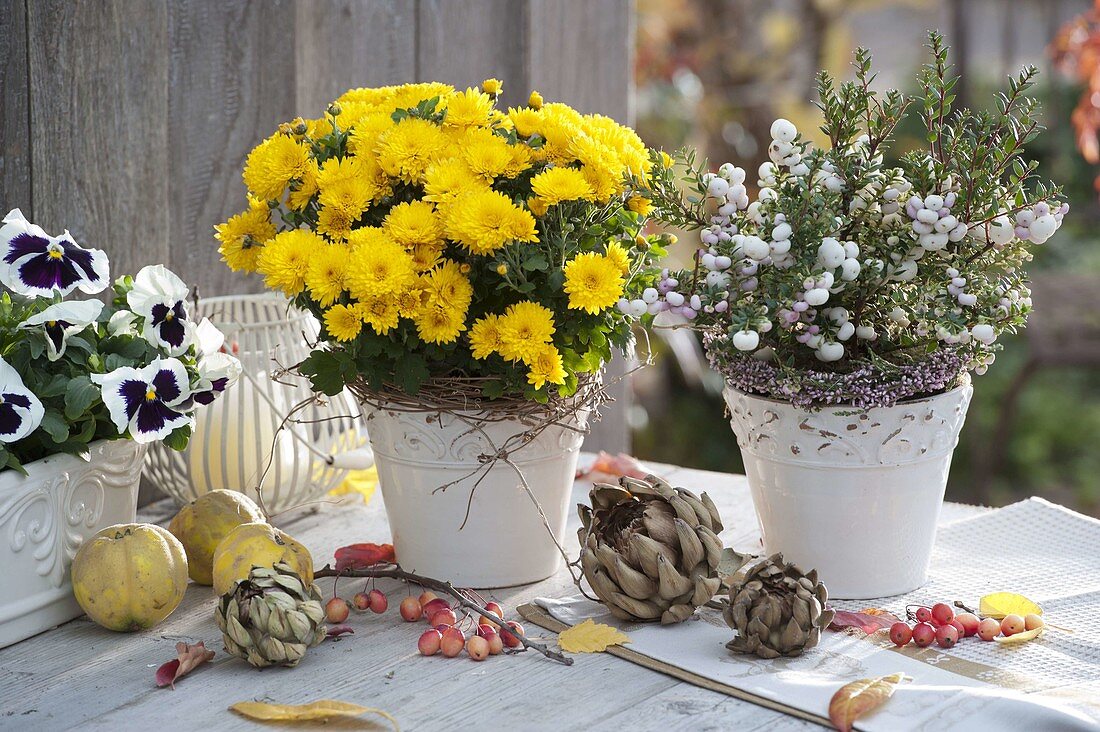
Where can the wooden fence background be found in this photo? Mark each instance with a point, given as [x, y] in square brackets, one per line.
[128, 121]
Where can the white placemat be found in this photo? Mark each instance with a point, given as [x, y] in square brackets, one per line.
[1035, 548]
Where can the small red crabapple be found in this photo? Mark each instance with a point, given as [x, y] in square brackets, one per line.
[378, 602]
[360, 601]
[957, 625]
[453, 642]
[495, 609]
[1012, 624]
[410, 609]
[947, 636]
[989, 628]
[444, 617]
[434, 606]
[429, 642]
[337, 610]
[477, 648]
[924, 614]
[1033, 621]
[509, 635]
[924, 634]
[942, 613]
[425, 597]
[901, 633]
[969, 622]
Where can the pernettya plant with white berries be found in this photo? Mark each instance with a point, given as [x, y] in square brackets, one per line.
[849, 282]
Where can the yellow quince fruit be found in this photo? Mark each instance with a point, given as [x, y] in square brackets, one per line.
[130, 576]
[204, 522]
[257, 545]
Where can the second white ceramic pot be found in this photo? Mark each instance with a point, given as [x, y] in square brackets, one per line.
[854, 493]
[483, 529]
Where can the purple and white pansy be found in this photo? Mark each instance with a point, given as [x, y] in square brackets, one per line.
[61, 321]
[150, 402]
[159, 297]
[20, 410]
[35, 264]
[217, 370]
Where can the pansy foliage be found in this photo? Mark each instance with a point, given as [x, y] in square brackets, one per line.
[73, 371]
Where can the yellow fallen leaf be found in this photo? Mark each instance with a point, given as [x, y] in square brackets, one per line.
[1027, 635]
[1000, 604]
[859, 698]
[590, 637]
[314, 711]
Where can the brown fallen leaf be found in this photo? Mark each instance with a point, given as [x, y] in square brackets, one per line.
[314, 711]
[189, 657]
[856, 699]
[338, 630]
[869, 621]
[590, 637]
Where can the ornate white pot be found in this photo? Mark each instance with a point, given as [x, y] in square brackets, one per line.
[483, 529]
[44, 518]
[854, 493]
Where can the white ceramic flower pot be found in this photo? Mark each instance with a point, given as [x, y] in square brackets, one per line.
[854, 493]
[44, 518]
[483, 529]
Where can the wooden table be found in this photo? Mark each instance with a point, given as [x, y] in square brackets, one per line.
[80, 675]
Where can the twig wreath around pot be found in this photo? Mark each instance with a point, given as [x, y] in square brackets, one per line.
[465, 263]
[847, 304]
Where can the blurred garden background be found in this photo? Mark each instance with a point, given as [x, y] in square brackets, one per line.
[715, 73]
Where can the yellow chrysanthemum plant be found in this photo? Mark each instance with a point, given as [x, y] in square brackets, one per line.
[434, 235]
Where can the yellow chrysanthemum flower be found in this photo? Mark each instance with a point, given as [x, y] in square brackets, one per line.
[366, 131]
[410, 95]
[380, 267]
[242, 237]
[484, 221]
[594, 282]
[381, 313]
[409, 302]
[470, 108]
[436, 324]
[524, 328]
[535, 100]
[284, 260]
[304, 189]
[537, 206]
[273, 164]
[447, 286]
[407, 149]
[327, 275]
[492, 86]
[343, 323]
[526, 120]
[618, 254]
[414, 222]
[639, 205]
[425, 256]
[555, 185]
[485, 337]
[545, 366]
[336, 223]
[446, 180]
[489, 156]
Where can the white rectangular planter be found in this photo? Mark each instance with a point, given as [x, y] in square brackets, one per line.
[44, 518]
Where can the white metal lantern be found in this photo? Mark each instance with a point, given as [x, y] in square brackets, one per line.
[237, 436]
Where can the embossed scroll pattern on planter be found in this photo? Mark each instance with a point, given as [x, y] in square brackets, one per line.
[907, 432]
[49, 513]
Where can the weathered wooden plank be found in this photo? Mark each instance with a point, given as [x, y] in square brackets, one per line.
[15, 141]
[344, 44]
[98, 101]
[582, 53]
[464, 42]
[230, 83]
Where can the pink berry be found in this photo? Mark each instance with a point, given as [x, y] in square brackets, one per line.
[434, 606]
[969, 622]
[495, 609]
[509, 636]
[429, 642]
[957, 625]
[924, 615]
[337, 610]
[378, 601]
[410, 609]
[477, 648]
[989, 628]
[1012, 624]
[942, 613]
[425, 597]
[947, 636]
[453, 642]
[924, 634]
[444, 617]
[901, 633]
[360, 601]
[1033, 621]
